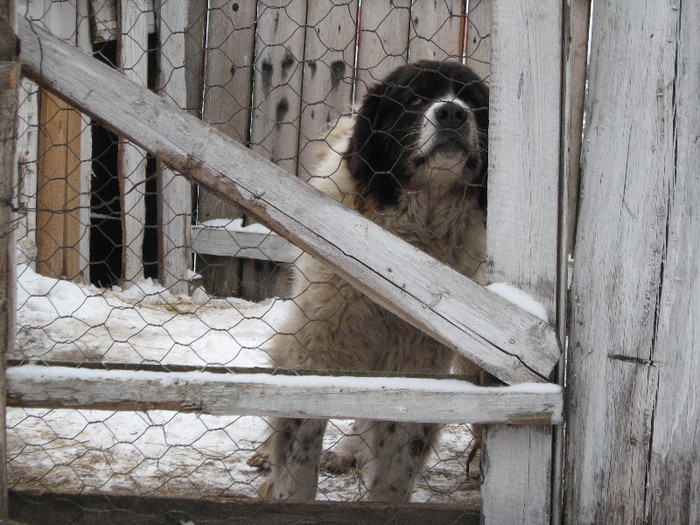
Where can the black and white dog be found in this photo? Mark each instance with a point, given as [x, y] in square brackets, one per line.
[413, 160]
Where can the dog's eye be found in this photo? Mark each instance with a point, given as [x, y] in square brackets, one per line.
[415, 101]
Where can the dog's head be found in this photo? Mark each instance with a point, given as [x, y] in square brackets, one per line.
[424, 118]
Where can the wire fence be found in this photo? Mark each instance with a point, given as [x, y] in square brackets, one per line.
[123, 261]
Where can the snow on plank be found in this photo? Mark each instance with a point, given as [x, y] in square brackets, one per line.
[221, 392]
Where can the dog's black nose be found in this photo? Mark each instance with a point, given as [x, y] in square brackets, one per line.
[450, 115]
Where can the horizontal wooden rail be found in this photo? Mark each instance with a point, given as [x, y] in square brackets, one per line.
[248, 242]
[506, 341]
[263, 394]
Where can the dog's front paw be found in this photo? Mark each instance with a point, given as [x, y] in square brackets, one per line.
[335, 463]
[259, 461]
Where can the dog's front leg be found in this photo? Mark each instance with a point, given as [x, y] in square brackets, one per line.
[400, 451]
[295, 448]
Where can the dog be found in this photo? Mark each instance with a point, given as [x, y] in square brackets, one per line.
[413, 160]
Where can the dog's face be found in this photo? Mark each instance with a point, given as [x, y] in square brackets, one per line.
[423, 118]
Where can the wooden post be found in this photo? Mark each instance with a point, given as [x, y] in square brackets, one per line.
[174, 194]
[62, 179]
[632, 449]
[132, 61]
[227, 93]
[9, 81]
[523, 233]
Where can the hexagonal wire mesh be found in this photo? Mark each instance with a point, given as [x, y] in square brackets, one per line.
[122, 261]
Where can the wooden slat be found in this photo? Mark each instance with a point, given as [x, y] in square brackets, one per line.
[132, 61]
[59, 227]
[84, 42]
[174, 193]
[227, 98]
[328, 76]
[49, 509]
[242, 242]
[383, 41]
[9, 83]
[280, 36]
[523, 240]
[228, 83]
[633, 366]
[390, 399]
[58, 189]
[436, 30]
[510, 343]
[478, 46]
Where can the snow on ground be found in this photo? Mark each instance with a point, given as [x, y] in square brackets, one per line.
[162, 453]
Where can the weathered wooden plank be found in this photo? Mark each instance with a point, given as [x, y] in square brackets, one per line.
[49, 509]
[58, 189]
[383, 41]
[133, 63]
[329, 58]
[84, 42]
[279, 36]
[524, 147]
[523, 240]
[104, 18]
[59, 230]
[262, 394]
[227, 100]
[228, 84]
[511, 455]
[436, 30]
[174, 193]
[510, 343]
[248, 242]
[478, 47]
[632, 449]
[9, 83]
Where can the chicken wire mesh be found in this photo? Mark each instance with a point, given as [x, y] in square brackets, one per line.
[122, 261]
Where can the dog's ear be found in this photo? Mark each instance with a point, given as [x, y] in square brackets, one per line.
[373, 153]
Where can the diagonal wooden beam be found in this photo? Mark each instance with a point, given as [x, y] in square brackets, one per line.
[506, 341]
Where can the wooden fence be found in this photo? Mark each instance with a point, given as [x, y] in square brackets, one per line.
[272, 78]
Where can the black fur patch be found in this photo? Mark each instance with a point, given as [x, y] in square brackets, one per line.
[389, 121]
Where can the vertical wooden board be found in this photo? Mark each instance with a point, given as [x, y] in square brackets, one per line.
[84, 42]
[478, 45]
[511, 457]
[524, 159]
[673, 477]
[104, 18]
[228, 81]
[280, 36]
[632, 213]
[26, 152]
[436, 30]
[383, 45]
[51, 184]
[328, 75]
[194, 54]
[73, 199]
[174, 195]
[132, 61]
[577, 56]
[60, 210]
[227, 100]
[524, 146]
